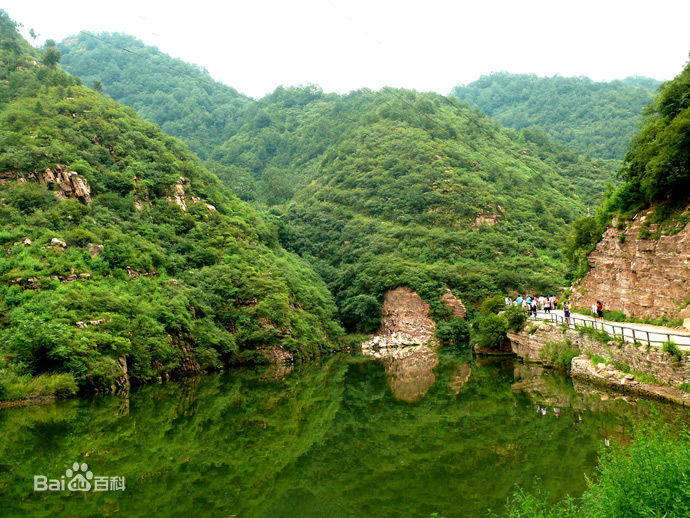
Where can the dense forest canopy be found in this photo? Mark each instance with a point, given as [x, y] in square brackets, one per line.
[596, 118]
[159, 263]
[376, 189]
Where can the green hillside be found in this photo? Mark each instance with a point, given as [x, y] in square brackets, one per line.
[181, 98]
[595, 118]
[188, 276]
[379, 189]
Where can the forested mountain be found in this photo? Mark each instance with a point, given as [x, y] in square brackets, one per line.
[389, 188]
[120, 248]
[181, 98]
[595, 118]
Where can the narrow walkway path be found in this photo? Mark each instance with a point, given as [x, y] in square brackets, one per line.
[630, 331]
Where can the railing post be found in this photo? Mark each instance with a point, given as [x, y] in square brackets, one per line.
[648, 341]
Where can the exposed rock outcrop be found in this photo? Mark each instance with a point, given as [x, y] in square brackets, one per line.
[640, 277]
[122, 383]
[583, 367]
[94, 249]
[482, 219]
[64, 183]
[178, 196]
[454, 304]
[404, 321]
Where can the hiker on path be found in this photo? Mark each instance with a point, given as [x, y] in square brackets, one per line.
[600, 309]
[566, 312]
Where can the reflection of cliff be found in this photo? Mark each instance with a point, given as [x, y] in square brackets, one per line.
[409, 371]
[460, 378]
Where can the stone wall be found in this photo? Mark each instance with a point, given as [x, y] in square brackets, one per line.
[654, 361]
[640, 277]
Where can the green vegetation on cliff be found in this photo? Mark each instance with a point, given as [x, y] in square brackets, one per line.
[594, 118]
[173, 288]
[656, 170]
[378, 189]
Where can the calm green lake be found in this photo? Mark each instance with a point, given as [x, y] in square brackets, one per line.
[347, 436]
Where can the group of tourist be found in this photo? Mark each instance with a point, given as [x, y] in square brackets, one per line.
[533, 304]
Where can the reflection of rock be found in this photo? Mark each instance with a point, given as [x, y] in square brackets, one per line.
[277, 371]
[404, 321]
[534, 381]
[409, 370]
[275, 354]
[461, 377]
[122, 383]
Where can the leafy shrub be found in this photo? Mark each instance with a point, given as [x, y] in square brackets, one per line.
[493, 304]
[489, 330]
[454, 331]
[671, 347]
[597, 334]
[28, 197]
[596, 359]
[516, 317]
[559, 354]
[14, 386]
[648, 479]
[645, 377]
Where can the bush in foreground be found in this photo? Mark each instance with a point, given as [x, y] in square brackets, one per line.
[649, 478]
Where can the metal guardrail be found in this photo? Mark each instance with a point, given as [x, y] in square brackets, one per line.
[629, 334]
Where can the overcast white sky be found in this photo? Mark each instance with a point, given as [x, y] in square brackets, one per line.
[256, 45]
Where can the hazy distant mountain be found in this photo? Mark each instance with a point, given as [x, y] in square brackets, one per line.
[594, 118]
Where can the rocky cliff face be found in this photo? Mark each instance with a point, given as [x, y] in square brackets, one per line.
[640, 277]
[64, 183]
[404, 321]
[454, 304]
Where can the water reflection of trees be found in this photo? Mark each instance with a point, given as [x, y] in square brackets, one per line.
[327, 438]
